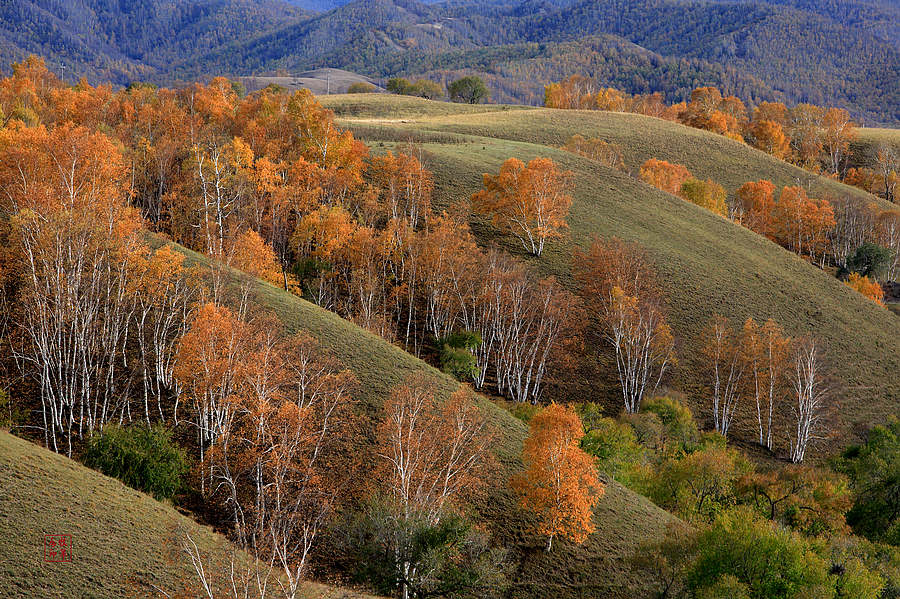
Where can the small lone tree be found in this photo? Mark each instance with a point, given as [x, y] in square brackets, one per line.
[559, 484]
[468, 90]
[531, 202]
[398, 85]
[621, 291]
[812, 396]
[426, 88]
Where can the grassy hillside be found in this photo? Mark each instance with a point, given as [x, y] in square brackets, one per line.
[868, 141]
[125, 541]
[706, 154]
[125, 544]
[599, 568]
[707, 263]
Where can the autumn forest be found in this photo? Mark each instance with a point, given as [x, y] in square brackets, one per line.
[356, 369]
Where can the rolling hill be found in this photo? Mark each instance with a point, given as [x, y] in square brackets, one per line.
[43, 493]
[707, 263]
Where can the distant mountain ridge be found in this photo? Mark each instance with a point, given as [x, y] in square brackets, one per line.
[138, 39]
[831, 52]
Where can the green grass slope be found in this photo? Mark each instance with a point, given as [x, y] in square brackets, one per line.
[705, 154]
[707, 263]
[125, 544]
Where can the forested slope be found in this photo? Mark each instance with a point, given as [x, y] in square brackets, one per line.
[126, 541]
[709, 264]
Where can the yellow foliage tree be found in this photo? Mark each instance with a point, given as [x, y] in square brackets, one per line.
[531, 202]
[559, 484]
[867, 287]
[706, 194]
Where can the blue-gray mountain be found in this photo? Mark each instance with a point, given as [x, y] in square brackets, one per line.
[832, 52]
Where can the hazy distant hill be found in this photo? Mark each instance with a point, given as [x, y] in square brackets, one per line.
[318, 81]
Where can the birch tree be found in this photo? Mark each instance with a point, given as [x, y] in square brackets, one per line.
[77, 243]
[432, 454]
[531, 202]
[619, 286]
[812, 398]
[727, 367]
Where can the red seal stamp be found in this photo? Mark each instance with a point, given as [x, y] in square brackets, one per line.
[57, 548]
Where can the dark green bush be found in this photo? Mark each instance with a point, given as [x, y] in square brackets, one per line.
[869, 260]
[142, 457]
[874, 472]
[456, 355]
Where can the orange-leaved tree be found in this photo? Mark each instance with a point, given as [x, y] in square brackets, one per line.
[887, 159]
[709, 110]
[207, 362]
[280, 462]
[866, 286]
[769, 137]
[75, 245]
[804, 128]
[251, 254]
[531, 202]
[755, 205]
[560, 484]
[573, 92]
[664, 175]
[802, 223]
